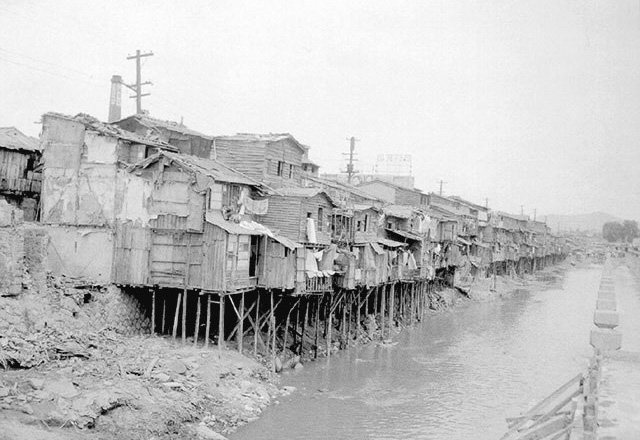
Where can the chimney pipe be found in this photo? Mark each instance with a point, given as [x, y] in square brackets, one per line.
[115, 99]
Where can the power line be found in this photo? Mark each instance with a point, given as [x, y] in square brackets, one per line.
[17, 63]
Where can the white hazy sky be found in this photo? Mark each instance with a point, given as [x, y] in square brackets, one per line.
[533, 103]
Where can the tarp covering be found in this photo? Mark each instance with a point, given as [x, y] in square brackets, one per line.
[405, 234]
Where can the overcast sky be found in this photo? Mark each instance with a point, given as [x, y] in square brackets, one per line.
[533, 103]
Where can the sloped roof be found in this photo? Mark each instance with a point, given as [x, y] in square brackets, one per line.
[153, 123]
[401, 211]
[468, 203]
[405, 234]
[13, 139]
[340, 186]
[265, 138]
[305, 193]
[391, 184]
[113, 130]
[207, 167]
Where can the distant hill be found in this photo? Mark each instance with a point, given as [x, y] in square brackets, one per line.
[581, 222]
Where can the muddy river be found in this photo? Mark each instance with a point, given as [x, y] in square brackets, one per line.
[455, 376]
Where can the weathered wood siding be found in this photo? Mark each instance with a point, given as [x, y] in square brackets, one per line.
[287, 152]
[407, 197]
[379, 190]
[323, 228]
[284, 217]
[244, 156]
[132, 251]
[175, 205]
[277, 268]
[176, 259]
[215, 257]
[15, 172]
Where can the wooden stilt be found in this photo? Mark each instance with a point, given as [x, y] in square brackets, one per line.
[256, 328]
[343, 325]
[175, 318]
[295, 328]
[272, 324]
[221, 322]
[359, 293]
[184, 317]
[196, 330]
[163, 329]
[315, 354]
[304, 324]
[208, 328]
[375, 300]
[240, 335]
[153, 311]
[382, 304]
[286, 334]
[392, 295]
[329, 320]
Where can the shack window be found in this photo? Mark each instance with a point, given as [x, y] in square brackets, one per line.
[320, 219]
[230, 195]
[290, 171]
[366, 222]
[280, 167]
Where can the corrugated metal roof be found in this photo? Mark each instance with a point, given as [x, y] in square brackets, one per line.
[113, 130]
[405, 234]
[150, 122]
[390, 243]
[400, 211]
[211, 168]
[257, 137]
[304, 192]
[13, 139]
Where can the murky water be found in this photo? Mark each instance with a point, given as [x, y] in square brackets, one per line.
[455, 376]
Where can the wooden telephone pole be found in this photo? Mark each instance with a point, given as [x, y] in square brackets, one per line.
[137, 87]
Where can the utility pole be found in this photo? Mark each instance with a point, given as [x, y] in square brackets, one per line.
[137, 87]
[534, 214]
[352, 146]
[521, 210]
[442, 182]
[486, 202]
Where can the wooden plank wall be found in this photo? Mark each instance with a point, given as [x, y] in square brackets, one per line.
[284, 217]
[176, 259]
[285, 151]
[131, 258]
[14, 175]
[277, 266]
[311, 205]
[244, 156]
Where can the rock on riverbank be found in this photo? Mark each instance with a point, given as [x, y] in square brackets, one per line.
[110, 386]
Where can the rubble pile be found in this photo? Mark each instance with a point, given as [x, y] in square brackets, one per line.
[148, 387]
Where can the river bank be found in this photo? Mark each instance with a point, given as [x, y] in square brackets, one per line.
[73, 383]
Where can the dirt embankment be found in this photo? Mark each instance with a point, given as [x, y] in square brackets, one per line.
[65, 374]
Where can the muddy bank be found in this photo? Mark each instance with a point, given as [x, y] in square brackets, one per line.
[69, 371]
[70, 380]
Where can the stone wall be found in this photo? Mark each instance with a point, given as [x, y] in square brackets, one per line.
[11, 261]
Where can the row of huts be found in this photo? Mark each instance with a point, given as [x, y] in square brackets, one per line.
[150, 204]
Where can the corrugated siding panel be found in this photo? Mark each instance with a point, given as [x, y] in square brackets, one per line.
[131, 262]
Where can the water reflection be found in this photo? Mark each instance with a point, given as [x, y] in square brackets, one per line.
[455, 376]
